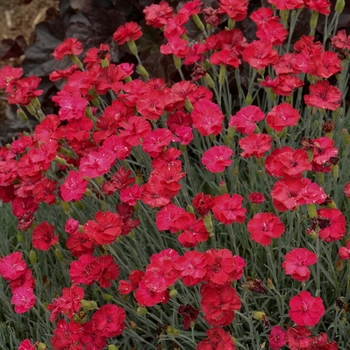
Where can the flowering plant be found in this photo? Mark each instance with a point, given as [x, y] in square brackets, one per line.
[156, 214]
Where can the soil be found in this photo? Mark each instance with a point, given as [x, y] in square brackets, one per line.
[19, 17]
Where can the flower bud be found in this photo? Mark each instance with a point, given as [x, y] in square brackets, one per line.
[32, 257]
[107, 297]
[208, 223]
[142, 311]
[258, 315]
[198, 22]
[88, 304]
[173, 293]
[345, 137]
[172, 331]
[313, 22]
[112, 347]
[222, 74]
[208, 79]
[188, 105]
[76, 61]
[22, 115]
[59, 254]
[311, 209]
[65, 206]
[41, 346]
[19, 237]
[31, 109]
[132, 47]
[177, 62]
[142, 71]
[339, 6]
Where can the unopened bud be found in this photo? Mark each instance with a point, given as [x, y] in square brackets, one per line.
[188, 105]
[59, 254]
[339, 6]
[172, 331]
[142, 311]
[190, 209]
[112, 347]
[258, 315]
[249, 100]
[222, 74]
[31, 109]
[107, 297]
[22, 115]
[19, 237]
[208, 223]
[88, 304]
[41, 346]
[177, 62]
[197, 21]
[311, 209]
[173, 293]
[32, 257]
[142, 71]
[132, 47]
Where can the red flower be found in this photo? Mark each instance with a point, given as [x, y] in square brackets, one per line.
[135, 277]
[264, 226]
[235, 9]
[259, 54]
[287, 5]
[9, 75]
[43, 236]
[23, 91]
[256, 198]
[68, 304]
[344, 252]
[223, 267]
[72, 104]
[219, 303]
[190, 315]
[229, 209]
[298, 338]
[207, 117]
[321, 6]
[27, 345]
[70, 46]
[244, 120]
[73, 187]
[347, 190]
[272, 31]
[323, 95]
[286, 161]
[128, 31]
[191, 267]
[12, 266]
[339, 41]
[23, 299]
[109, 321]
[175, 46]
[283, 85]
[194, 234]
[225, 57]
[305, 310]
[83, 270]
[216, 159]
[217, 339]
[296, 263]
[332, 224]
[157, 15]
[96, 163]
[105, 229]
[282, 115]
[149, 297]
[255, 145]
[277, 338]
[67, 335]
[156, 141]
[203, 203]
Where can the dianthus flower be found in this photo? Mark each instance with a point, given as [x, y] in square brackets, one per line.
[23, 91]
[256, 198]
[255, 145]
[83, 270]
[219, 303]
[323, 95]
[287, 5]
[283, 85]
[272, 31]
[149, 297]
[135, 277]
[156, 141]
[265, 226]
[217, 339]
[305, 310]
[298, 338]
[96, 163]
[344, 252]
[109, 320]
[175, 46]
[68, 304]
[104, 229]
[12, 266]
[332, 224]
[70, 46]
[244, 120]
[67, 335]
[281, 116]
[23, 298]
[235, 9]
[286, 161]
[128, 31]
[157, 15]
[27, 345]
[277, 338]
[207, 117]
[216, 159]
[229, 209]
[203, 203]
[259, 54]
[296, 263]
[223, 267]
[190, 315]
[43, 236]
[73, 187]
[321, 6]
[340, 41]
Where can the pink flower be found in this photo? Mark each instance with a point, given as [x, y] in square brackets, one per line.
[27, 345]
[277, 338]
[23, 299]
[282, 115]
[216, 159]
[73, 187]
[296, 263]
[305, 310]
[264, 226]
[229, 209]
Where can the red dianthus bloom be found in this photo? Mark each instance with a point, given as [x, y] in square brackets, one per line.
[229, 209]
[305, 310]
[296, 263]
[70, 46]
[277, 338]
[216, 159]
[43, 236]
[264, 226]
[255, 145]
[128, 31]
[281, 116]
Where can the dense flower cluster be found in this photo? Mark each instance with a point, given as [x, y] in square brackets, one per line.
[138, 146]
